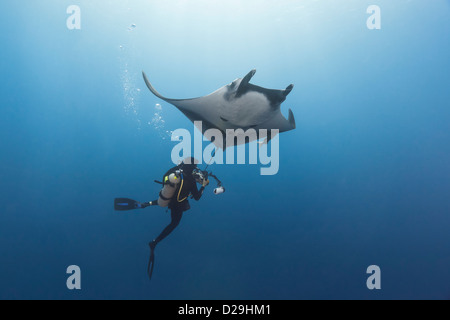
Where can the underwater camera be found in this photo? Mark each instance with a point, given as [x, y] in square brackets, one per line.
[201, 176]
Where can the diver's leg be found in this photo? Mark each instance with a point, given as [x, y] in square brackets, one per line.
[176, 215]
[149, 204]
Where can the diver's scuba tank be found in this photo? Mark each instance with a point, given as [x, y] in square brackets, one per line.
[171, 183]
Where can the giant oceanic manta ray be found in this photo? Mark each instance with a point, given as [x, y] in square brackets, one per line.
[238, 105]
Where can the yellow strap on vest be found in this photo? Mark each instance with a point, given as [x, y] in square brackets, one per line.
[179, 192]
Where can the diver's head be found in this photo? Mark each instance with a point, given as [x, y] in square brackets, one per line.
[190, 161]
[189, 165]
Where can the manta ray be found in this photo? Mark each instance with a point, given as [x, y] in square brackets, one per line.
[238, 105]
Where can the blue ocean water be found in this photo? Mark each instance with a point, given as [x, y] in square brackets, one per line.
[364, 179]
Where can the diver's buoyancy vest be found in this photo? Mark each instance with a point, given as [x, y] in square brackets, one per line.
[167, 193]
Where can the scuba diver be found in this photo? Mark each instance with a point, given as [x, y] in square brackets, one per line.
[179, 183]
[178, 203]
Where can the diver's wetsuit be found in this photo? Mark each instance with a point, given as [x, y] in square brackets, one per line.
[180, 203]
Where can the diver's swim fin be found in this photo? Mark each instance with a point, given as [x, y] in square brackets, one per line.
[123, 204]
[151, 262]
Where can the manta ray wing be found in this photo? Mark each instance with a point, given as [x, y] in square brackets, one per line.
[280, 122]
[197, 109]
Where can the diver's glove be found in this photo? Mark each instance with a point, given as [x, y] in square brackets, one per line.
[205, 183]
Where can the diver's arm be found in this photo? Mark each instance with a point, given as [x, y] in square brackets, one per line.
[197, 194]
